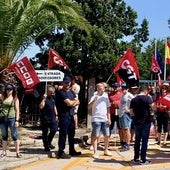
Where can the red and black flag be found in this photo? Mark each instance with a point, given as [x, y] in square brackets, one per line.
[127, 69]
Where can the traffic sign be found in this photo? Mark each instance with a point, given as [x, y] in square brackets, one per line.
[50, 75]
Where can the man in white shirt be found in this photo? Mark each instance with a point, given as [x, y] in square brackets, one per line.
[100, 105]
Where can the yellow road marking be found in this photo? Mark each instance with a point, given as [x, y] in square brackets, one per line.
[86, 161]
[34, 164]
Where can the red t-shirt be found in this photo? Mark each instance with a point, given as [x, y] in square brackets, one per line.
[114, 97]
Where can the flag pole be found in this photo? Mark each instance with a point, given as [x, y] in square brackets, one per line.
[109, 78]
[3, 70]
[165, 60]
[155, 48]
[154, 77]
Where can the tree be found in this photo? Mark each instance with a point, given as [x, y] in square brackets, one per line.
[146, 59]
[114, 29]
[22, 21]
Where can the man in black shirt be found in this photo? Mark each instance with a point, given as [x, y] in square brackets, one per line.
[66, 101]
[140, 107]
[49, 118]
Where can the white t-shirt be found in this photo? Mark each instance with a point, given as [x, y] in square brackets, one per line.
[125, 103]
[76, 89]
[99, 108]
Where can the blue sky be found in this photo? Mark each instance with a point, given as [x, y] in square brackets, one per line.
[157, 12]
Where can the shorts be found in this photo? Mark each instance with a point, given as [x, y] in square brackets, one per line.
[76, 109]
[125, 121]
[4, 129]
[98, 127]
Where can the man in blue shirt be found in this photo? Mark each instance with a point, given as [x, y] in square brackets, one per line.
[66, 101]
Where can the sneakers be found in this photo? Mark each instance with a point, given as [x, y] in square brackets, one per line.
[3, 155]
[158, 143]
[107, 153]
[64, 156]
[51, 146]
[136, 161]
[95, 155]
[91, 148]
[126, 147]
[99, 146]
[144, 162]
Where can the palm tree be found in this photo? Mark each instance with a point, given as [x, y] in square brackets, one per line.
[22, 21]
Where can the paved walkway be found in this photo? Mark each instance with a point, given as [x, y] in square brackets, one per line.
[32, 151]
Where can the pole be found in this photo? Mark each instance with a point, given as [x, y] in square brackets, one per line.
[165, 60]
[3, 70]
[109, 78]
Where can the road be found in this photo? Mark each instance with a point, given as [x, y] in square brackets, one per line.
[160, 157]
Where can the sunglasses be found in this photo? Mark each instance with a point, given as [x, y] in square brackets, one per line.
[164, 88]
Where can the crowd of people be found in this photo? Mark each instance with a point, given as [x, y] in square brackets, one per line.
[131, 110]
[134, 110]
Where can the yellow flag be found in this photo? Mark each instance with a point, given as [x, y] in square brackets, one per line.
[168, 53]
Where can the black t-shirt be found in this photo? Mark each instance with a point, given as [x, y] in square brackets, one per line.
[62, 107]
[47, 112]
[141, 108]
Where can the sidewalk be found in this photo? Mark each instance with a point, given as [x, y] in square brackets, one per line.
[32, 149]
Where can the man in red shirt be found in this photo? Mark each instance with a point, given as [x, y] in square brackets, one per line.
[114, 98]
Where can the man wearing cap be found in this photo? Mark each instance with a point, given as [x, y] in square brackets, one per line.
[66, 101]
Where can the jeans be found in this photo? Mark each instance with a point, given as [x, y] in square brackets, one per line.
[4, 129]
[98, 127]
[141, 135]
[66, 128]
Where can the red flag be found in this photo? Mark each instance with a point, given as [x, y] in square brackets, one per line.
[25, 72]
[119, 80]
[155, 68]
[127, 68]
[55, 59]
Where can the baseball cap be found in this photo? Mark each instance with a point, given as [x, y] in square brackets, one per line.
[116, 85]
[9, 87]
[67, 79]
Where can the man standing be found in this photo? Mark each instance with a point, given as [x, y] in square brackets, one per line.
[100, 105]
[49, 118]
[66, 101]
[140, 107]
[125, 118]
[114, 97]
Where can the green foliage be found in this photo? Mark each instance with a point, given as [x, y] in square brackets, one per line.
[22, 21]
[114, 29]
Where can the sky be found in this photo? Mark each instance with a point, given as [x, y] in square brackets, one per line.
[157, 12]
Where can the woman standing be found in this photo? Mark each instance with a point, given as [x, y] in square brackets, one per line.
[162, 114]
[10, 108]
